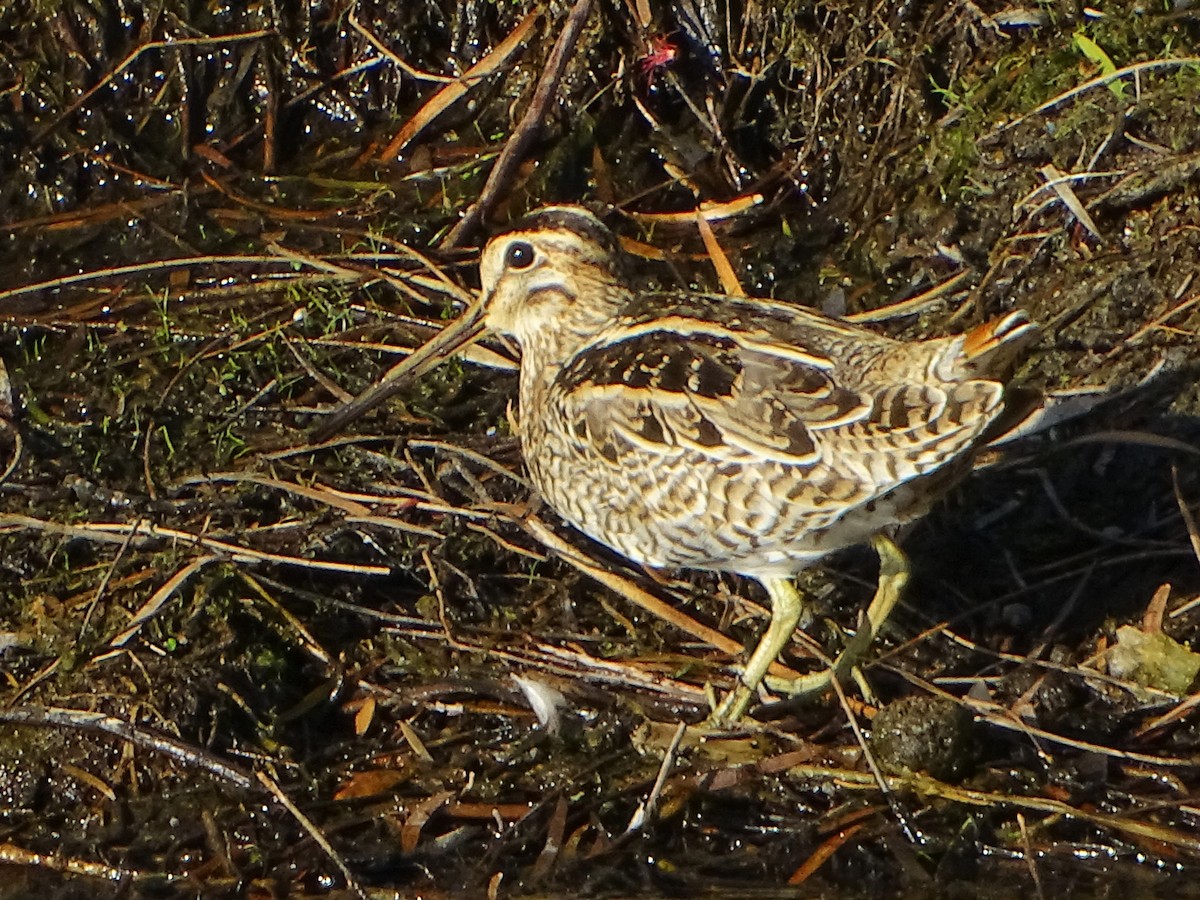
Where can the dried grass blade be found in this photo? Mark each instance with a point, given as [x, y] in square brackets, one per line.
[1061, 184]
[452, 93]
[716, 253]
[151, 607]
[709, 211]
[1189, 520]
[913, 304]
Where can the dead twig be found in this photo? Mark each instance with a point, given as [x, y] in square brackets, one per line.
[924, 785]
[88, 720]
[902, 819]
[1098, 81]
[1189, 520]
[395, 60]
[824, 851]
[12, 855]
[172, 43]
[456, 90]
[151, 607]
[526, 131]
[314, 832]
[636, 595]
[1030, 857]
[646, 810]
[116, 532]
[157, 265]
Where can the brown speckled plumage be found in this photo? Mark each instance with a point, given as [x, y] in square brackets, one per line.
[720, 433]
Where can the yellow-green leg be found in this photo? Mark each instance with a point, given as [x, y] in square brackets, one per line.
[786, 608]
[893, 576]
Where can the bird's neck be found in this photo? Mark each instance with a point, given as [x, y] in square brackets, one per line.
[542, 358]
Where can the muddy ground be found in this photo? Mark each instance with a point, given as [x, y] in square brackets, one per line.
[241, 662]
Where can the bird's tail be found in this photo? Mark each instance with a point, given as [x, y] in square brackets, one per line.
[991, 349]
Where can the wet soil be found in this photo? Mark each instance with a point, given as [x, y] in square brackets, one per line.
[239, 662]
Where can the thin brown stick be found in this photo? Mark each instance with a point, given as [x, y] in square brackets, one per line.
[647, 810]
[996, 715]
[315, 833]
[554, 840]
[12, 855]
[926, 786]
[1157, 323]
[395, 60]
[18, 445]
[636, 595]
[1189, 520]
[115, 532]
[571, 663]
[452, 93]
[108, 573]
[518, 145]
[1030, 856]
[872, 764]
[160, 597]
[826, 849]
[307, 638]
[87, 720]
[1050, 104]
[157, 265]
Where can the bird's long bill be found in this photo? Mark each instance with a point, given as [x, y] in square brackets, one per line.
[461, 332]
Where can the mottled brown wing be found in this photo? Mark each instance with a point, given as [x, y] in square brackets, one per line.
[702, 388]
[658, 389]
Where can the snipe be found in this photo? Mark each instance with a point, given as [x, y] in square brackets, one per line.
[723, 433]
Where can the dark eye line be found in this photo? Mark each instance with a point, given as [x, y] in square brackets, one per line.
[549, 294]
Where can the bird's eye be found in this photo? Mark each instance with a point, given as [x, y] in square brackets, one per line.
[519, 255]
